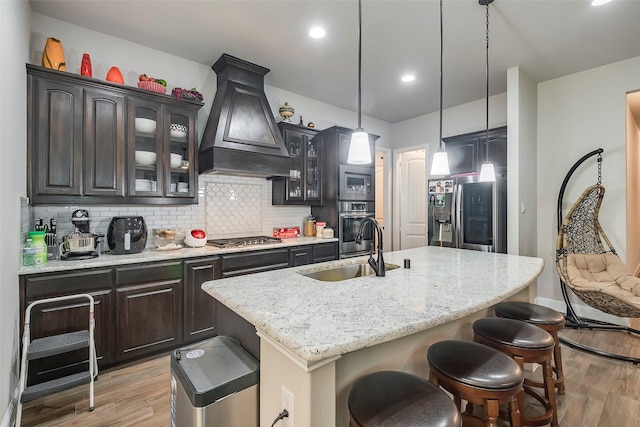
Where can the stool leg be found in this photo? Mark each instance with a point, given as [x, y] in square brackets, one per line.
[550, 391]
[520, 397]
[515, 414]
[557, 357]
[493, 410]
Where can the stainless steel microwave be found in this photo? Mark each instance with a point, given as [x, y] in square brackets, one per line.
[357, 183]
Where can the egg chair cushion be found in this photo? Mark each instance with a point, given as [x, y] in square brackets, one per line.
[603, 273]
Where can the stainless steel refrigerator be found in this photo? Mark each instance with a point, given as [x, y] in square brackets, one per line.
[468, 214]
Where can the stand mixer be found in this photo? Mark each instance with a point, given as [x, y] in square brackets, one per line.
[82, 243]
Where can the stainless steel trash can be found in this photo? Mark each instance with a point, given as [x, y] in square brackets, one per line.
[214, 383]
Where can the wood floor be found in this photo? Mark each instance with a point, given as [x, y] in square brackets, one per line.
[599, 392]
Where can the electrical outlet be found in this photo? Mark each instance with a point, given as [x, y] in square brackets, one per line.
[287, 403]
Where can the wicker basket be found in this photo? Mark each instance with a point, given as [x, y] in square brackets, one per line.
[152, 86]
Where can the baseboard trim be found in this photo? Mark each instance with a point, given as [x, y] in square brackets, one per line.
[583, 311]
[9, 418]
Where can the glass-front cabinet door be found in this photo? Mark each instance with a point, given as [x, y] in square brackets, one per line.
[145, 149]
[161, 152]
[180, 154]
[303, 184]
[312, 180]
[295, 183]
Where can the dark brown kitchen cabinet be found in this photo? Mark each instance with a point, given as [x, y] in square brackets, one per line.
[303, 186]
[467, 152]
[148, 308]
[302, 255]
[254, 262]
[311, 254]
[324, 252]
[68, 316]
[54, 129]
[83, 137]
[199, 307]
[103, 143]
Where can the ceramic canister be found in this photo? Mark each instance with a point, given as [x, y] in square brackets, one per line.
[53, 55]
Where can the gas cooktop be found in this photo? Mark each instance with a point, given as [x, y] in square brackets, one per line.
[243, 241]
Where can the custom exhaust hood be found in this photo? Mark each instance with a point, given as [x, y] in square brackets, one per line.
[241, 137]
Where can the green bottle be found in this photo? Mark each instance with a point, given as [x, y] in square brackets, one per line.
[28, 252]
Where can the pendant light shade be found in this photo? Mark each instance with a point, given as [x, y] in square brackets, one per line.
[440, 162]
[487, 173]
[359, 150]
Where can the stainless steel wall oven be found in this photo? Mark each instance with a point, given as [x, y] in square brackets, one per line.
[350, 216]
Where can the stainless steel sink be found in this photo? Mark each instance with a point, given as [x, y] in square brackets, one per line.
[345, 272]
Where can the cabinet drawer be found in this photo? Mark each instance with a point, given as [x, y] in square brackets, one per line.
[50, 285]
[145, 273]
[254, 262]
[325, 252]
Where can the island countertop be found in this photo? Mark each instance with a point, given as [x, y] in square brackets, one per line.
[316, 320]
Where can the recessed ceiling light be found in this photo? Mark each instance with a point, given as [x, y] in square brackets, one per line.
[599, 2]
[408, 78]
[317, 33]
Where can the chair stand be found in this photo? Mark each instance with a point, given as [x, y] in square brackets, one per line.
[573, 321]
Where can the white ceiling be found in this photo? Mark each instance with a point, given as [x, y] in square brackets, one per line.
[546, 38]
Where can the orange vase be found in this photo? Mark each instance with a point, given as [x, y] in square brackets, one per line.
[53, 55]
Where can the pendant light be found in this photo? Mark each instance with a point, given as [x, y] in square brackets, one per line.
[359, 150]
[487, 173]
[440, 162]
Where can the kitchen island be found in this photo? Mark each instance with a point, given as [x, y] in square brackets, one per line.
[317, 338]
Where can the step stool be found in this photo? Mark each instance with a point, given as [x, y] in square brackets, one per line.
[51, 346]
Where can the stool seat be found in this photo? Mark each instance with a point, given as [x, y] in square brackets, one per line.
[513, 333]
[525, 343]
[477, 374]
[543, 317]
[399, 398]
[530, 313]
[474, 364]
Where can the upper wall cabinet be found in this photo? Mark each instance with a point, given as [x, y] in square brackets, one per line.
[467, 152]
[303, 184]
[87, 144]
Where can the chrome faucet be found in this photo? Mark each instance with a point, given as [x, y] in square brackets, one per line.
[377, 265]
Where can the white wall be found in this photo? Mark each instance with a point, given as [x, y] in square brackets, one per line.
[14, 44]
[577, 114]
[521, 158]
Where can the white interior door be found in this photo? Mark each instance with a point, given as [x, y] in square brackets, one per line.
[413, 200]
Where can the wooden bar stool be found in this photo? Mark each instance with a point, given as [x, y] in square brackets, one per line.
[390, 398]
[525, 343]
[543, 317]
[478, 374]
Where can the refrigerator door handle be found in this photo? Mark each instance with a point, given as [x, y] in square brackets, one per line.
[458, 210]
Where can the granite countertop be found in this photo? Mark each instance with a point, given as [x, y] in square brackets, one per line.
[150, 255]
[316, 320]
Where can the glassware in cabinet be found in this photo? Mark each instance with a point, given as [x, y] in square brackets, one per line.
[146, 150]
[181, 155]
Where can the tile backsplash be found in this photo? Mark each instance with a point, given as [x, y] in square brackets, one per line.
[228, 206]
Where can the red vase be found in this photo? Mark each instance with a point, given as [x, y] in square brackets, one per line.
[85, 67]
